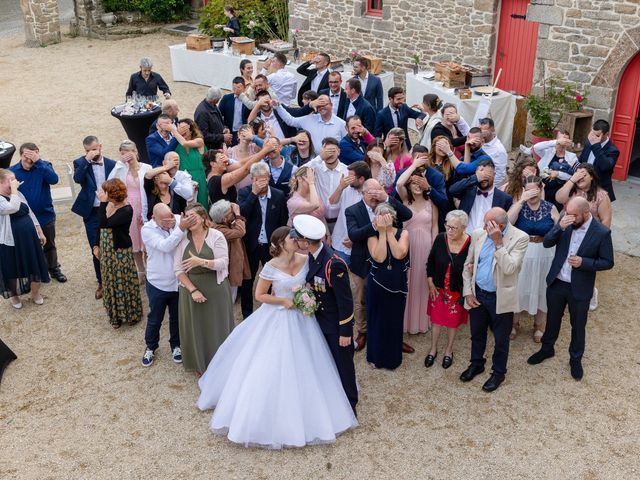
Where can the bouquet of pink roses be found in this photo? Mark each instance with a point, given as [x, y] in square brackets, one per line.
[304, 300]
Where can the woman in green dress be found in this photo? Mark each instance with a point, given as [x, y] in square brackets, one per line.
[190, 149]
[205, 308]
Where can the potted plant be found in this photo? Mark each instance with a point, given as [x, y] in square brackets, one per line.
[547, 110]
[416, 63]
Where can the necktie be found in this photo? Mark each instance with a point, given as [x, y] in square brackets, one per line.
[96, 163]
[484, 194]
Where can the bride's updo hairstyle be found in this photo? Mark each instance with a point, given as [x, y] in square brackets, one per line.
[277, 240]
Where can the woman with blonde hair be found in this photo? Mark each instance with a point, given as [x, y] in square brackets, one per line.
[190, 148]
[131, 171]
[396, 149]
[121, 292]
[304, 195]
[201, 263]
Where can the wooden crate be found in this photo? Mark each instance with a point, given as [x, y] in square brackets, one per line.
[451, 74]
[197, 41]
[243, 45]
[375, 64]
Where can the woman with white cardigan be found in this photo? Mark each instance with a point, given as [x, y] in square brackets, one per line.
[556, 164]
[131, 172]
[205, 310]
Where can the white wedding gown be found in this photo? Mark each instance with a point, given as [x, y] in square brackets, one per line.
[273, 382]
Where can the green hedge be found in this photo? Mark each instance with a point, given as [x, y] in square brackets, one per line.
[157, 10]
[271, 17]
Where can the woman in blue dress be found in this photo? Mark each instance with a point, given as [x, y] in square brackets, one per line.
[535, 216]
[22, 264]
[386, 289]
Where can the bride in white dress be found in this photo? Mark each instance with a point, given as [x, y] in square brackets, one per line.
[273, 382]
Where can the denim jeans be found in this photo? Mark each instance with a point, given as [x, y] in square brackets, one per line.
[158, 303]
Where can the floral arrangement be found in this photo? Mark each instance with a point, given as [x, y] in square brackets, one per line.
[304, 300]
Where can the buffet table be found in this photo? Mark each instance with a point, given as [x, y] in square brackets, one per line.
[216, 68]
[503, 105]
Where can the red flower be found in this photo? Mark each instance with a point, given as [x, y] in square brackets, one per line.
[579, 98]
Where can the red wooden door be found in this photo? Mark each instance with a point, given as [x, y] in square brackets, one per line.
[624, 117]
[516, 49]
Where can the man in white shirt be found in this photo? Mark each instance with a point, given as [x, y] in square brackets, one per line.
[161, 235]
[494, 148]
[181, 181]
[317, 78]
[329, 171]
[320, 125]
[282, 82]
[349, 192]
[263, 109]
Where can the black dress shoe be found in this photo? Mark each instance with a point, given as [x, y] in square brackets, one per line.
[447, 361]
[470, 373]
[428, 361]
[576, 370]
[539, 357]
[59, 276]
[493, 383]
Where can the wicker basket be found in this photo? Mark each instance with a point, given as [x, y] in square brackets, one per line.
[451, 74]
[196, 41]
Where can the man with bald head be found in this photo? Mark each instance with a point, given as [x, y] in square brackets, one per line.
[161, 235]
[359, 228]
[583, 247]
[490, 291]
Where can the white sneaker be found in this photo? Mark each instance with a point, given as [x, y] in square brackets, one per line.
[176, 353]
[593, 304]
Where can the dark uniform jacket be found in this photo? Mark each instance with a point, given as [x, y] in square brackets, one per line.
[335, 309]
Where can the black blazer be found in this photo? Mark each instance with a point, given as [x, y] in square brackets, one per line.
[335, 302]
[227, 108]
[365, 111]
[277, 215]
[342, 104]
[283, 180]
[466, 191]
[83, 176]
[384, 121]
[439, 261]
[209, 120]
[596, 251]
[374, 93]
[310, 73]
[359, 229]
[604, 163]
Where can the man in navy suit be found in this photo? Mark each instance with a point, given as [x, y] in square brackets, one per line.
[359, 228]
[329, 279]
[371, 84]
[353, 145]
[234, 113]
[90, 172]
[161, 142]
[396, 115]
[317, 78]
[583, 247]
[281, 171]
[265, 209]
[358, 105]
[477, 194]
[336, 94]
[602, 154]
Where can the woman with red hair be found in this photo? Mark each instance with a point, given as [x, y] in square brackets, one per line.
[121, 292]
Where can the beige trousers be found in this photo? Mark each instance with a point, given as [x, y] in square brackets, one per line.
[359, 290]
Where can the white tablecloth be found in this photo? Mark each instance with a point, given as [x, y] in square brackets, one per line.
[215, 68]
[503, 105]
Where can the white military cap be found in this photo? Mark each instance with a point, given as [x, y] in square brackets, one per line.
[309, 227]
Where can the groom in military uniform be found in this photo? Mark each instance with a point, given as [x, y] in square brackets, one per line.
[329, 279]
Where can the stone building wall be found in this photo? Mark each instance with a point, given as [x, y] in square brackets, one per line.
[588, 42]
[41, 22]
[87, 16]
[463, 31]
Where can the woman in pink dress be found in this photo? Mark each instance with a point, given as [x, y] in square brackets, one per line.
[422, 228]
[131, 172]
[245, 148]
[396, 149]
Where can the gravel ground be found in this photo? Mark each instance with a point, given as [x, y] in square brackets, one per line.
[78, 405]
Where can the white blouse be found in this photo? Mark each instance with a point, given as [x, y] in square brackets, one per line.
[8, 207]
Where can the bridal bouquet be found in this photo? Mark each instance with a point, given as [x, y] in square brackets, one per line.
[304, 300]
